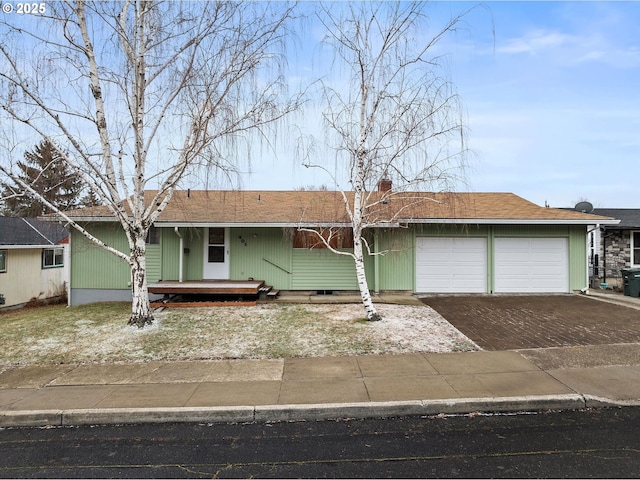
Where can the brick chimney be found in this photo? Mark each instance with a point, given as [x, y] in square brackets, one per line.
[384, 185]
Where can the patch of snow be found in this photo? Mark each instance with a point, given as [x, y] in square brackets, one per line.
[261, 331]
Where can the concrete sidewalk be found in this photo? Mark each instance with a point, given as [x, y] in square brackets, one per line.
[614, 297]
[320, 388]
[323, 388]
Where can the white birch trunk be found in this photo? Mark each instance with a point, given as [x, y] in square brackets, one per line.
[365, 294]
[140, 305]
[358, 254]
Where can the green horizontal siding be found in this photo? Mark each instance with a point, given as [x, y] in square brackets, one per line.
[445, 230]
[531, 230]
[321, 269]
[578, 257]
[92, 266]
[396, 268]
[170, 248]
[192, 253]
[154, 263]
[261, 254]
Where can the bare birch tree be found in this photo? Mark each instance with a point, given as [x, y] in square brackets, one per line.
[140, 93]
[396, 122]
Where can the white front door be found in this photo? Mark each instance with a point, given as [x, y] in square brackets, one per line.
[216, 254]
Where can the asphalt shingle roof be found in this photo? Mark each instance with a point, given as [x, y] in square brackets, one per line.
[294, 207]
[629, 217]
[30, 231]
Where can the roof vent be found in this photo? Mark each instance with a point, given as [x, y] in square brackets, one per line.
[584, 207]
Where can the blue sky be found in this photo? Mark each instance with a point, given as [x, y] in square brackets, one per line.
[552, 101]
[551, 92]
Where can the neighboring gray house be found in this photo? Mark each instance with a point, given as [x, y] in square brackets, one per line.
[34, 261]
[614, 247]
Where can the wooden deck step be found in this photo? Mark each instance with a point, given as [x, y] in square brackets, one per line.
[205, 304]
[207, 287]
[263, 291]
[268, 293]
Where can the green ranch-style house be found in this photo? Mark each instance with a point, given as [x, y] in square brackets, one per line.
[435, 243]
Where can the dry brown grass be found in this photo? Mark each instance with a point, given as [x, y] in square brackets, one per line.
[99, 333]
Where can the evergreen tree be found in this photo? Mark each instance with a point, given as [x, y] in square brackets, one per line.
[90, 199]
[44, 169]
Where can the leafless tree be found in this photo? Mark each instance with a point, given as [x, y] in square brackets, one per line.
[396, 122]
[140, 93]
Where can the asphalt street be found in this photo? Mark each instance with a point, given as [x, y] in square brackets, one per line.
[592, 443]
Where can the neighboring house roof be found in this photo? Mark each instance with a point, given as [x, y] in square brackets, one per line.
[294, 208]
[629, 217]
[30, 232]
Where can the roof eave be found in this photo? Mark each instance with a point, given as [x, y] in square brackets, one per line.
[626, 227]
[512, 221]
[29, 247]
[403, 221]
[81, 219]
[251, 224]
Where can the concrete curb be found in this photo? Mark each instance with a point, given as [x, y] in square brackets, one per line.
[506, 404]
[275, 413]
[31, 418]
[330, 411]
[112, 416]
[593, 401]
[614, 300]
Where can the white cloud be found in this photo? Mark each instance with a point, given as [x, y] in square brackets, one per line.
[628, 57]
[570, 49]
[536, 42]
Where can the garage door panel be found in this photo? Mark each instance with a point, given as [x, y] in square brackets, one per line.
[541, 269]
[451, 264]
[531, 265]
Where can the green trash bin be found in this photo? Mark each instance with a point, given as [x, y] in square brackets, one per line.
[631, 281]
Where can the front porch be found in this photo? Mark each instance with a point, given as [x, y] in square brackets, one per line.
[211, 292]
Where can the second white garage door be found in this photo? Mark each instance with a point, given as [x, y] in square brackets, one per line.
[531, 265]
[451, 265]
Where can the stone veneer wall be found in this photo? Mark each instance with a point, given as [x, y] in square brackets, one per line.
[617, 244]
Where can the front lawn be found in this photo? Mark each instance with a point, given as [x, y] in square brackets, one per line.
[99, 333]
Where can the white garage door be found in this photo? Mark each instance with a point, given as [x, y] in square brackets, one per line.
[451, 264]
[531, 265]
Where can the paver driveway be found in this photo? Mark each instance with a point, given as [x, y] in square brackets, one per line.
[538, 321]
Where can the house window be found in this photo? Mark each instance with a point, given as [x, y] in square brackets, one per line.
[635, 248]
[216, 245]
[153, 236]
[338, 238]
[52, 257]
[3, 261]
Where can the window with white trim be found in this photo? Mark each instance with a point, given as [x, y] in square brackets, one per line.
[53, 257]
[635, 248]
[3, 261]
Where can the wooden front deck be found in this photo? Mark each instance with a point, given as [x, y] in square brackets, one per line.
[209, 287]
